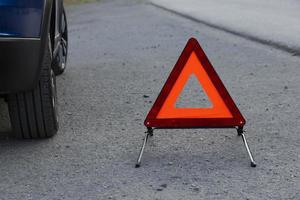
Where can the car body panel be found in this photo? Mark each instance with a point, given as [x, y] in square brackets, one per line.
[21, 57]
[21, 18]
[18, 74]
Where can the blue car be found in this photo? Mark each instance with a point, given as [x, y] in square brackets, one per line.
[33, 51]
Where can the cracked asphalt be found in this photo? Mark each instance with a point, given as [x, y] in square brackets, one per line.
[121, 53]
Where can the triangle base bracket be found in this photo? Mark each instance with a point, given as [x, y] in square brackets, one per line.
[149, 133]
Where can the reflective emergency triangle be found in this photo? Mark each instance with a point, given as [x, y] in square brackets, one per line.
[223, 113]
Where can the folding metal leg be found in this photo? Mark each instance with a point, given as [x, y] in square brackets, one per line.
[139, 160]
[241, 133]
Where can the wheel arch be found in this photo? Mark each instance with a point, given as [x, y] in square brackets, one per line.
[53, 22]
[45, 27]
[56, 14]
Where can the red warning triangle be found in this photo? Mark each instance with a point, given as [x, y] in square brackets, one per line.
[223, 113]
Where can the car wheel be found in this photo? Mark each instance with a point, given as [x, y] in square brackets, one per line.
[33, 114]
[60, 59]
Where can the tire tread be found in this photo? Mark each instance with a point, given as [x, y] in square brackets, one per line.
[32, 113]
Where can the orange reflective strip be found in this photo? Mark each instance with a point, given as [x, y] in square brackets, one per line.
[219, 108]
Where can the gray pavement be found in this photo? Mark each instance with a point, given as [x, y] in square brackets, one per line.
[123, 50]
[272, 22]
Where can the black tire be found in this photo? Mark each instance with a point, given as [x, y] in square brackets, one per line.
[59, 63]
[33, 114]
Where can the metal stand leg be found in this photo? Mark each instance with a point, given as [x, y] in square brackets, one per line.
[139, 160]
[241, 133]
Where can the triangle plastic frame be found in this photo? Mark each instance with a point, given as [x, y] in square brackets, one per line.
[237, 120]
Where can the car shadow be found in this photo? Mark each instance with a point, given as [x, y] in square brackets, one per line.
[8, 143]
[5, 135]
[5, 127]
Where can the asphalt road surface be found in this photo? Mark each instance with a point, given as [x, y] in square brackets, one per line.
[121, 53]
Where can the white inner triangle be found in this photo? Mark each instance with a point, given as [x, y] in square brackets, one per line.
[193, 96]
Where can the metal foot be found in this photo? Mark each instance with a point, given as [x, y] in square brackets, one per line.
[150, 131]
[241, 133]
[139, 160]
